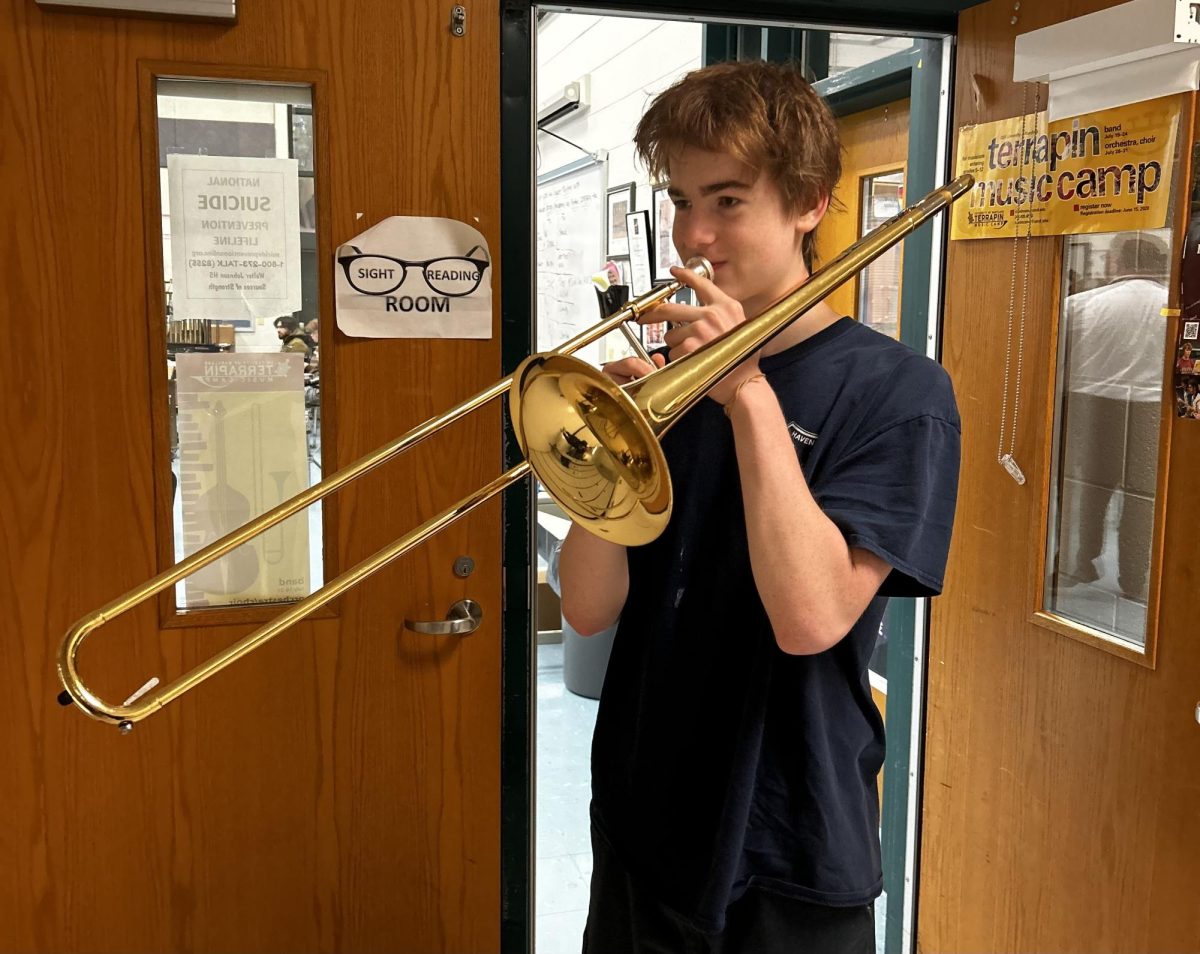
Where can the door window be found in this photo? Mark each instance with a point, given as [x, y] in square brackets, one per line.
[882, 197]
[1109, 407]
[848, 51]
[242, 358]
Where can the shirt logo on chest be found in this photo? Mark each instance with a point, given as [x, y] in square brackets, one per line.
[800, 435]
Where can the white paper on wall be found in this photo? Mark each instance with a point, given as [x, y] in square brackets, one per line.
[414, 277]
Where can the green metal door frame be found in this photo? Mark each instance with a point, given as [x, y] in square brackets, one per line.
[919, 75]
[922, 74]
[516, 336]
[928, 163]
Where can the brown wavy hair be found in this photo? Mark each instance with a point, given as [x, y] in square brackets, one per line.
[763, 114]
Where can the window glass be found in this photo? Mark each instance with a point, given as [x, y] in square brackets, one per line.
[1105, 466]
[850, 50]
[879, 284]
[243, 355]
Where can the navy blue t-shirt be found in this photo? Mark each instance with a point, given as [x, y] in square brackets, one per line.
[719, 761]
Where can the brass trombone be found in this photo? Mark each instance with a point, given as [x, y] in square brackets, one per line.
[592, 444]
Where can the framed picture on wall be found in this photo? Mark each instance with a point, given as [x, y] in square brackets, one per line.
[652, 335]
[664, 220]
[620, 204]
[641, 252]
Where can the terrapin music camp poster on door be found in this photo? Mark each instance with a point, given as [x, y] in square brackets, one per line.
[242, 451]
[1108, 171]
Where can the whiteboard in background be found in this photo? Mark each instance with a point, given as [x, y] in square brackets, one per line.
[570, 250]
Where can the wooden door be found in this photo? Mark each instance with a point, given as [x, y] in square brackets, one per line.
[339, 790]
[1061, 779]
[875, 142]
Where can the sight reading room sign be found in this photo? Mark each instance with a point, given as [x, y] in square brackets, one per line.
[1099, 172]
[414, 277]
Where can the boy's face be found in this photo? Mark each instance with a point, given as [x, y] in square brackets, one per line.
[736, 219]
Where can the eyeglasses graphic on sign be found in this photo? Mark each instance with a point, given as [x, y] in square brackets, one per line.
[453, 277]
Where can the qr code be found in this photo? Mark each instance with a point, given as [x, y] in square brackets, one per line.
[1191, 330]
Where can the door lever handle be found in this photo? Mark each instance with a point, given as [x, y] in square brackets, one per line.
[462, 618]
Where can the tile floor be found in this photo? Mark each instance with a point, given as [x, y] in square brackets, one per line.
[564, 852]
[1099, 603]
[563, 849]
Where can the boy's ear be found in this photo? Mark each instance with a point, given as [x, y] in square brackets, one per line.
[807, 221]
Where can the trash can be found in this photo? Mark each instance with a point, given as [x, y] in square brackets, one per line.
[585, 658]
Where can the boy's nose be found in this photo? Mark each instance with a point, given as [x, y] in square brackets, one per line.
[693, 233]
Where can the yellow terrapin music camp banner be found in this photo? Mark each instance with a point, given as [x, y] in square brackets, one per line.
[1099, 172]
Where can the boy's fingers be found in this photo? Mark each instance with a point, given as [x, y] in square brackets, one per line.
[707, 289]
[670, 312]
[629, 368]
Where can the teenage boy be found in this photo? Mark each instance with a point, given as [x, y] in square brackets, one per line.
[737, 746]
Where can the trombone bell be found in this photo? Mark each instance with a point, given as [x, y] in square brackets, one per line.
[594, 452]
[590, 447]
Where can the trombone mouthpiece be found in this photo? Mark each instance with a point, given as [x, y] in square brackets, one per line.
[701, 266]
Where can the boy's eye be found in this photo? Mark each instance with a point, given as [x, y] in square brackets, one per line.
[680, 203]
[728, 201]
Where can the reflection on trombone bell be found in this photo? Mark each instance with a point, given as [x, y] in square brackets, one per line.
[592, 444]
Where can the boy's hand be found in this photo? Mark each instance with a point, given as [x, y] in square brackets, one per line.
[630, 369]
[696, 325]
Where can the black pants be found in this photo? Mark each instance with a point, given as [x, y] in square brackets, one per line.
[624, 920]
